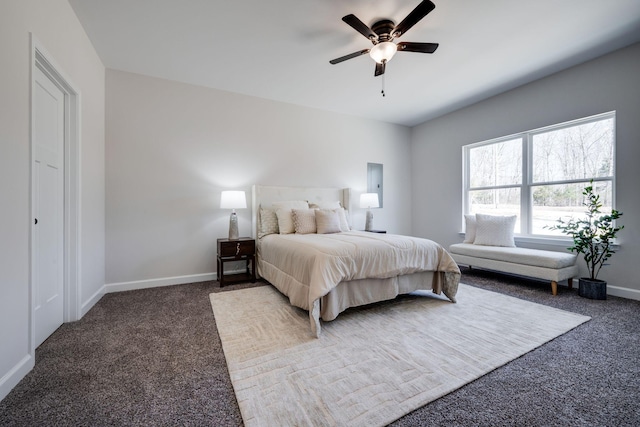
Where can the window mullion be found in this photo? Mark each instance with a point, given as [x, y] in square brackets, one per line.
[466, 185]
[525, 192]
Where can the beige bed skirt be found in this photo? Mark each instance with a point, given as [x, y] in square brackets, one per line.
[347, 294]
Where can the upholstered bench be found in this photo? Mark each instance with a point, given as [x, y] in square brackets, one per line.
[539, 264]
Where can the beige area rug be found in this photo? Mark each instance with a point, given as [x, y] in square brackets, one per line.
[374, 364]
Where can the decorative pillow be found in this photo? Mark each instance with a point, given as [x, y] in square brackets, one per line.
[304, 221]
[268, 222]
[327, 221]
[469, 228]
[285, 221]
[291, 204]
[325, 205]
[495, 230]
[344, 220]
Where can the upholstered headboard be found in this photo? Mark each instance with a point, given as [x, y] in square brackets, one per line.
[266, 195]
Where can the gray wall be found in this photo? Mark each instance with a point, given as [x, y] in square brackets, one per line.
[611, 82]
[57, 28]
[172, 147]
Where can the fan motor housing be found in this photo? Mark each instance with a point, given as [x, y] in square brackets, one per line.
[383, 29]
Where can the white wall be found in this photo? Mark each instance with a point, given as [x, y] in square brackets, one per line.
[611, 82]
[57, 28]
[172, 147]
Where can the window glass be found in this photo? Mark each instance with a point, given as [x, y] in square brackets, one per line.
[496, 164]
[551, 202]
[575, 152]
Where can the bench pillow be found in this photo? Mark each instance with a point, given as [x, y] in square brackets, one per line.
[494, 230]
[469, 228]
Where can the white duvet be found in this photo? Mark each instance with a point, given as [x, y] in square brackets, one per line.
[317, 263]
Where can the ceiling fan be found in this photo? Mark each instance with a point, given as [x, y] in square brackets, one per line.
[383, 32]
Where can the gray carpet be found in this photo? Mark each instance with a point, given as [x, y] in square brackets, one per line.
[153, 357]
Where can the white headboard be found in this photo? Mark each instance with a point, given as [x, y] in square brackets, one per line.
[266, 195]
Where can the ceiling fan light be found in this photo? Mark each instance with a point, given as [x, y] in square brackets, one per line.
[383, 52]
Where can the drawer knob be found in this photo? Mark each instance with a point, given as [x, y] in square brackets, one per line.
[237, 248]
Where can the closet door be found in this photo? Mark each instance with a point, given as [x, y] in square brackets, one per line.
[48, 115]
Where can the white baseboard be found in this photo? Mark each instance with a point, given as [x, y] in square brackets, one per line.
[154, 283]
[17, 373]
[92, 301]
[617, 291]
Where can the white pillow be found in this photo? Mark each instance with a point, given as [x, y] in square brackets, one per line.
[327, 221]
[495, 230]
[344, 221]
[469, 228]
[268, 222]
[285, 221]
[304, 221]
[285, 218]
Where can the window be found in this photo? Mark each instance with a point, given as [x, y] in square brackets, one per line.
[539, 175]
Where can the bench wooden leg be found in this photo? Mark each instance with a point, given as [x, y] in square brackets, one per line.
[554, 287]
[570, 282]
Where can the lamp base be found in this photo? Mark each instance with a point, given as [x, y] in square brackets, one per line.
[368, 225]
[233, 227]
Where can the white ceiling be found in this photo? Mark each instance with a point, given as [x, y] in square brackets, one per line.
[280, 49]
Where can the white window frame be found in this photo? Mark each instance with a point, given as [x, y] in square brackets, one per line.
[527, 184]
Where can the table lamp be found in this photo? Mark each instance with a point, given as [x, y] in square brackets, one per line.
[233, 200]
[368, 201]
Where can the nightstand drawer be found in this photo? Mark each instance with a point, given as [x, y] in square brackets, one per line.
[233, 248]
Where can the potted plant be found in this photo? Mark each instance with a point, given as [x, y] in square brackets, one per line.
[593, 238]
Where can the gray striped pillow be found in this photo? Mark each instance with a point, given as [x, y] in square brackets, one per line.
[268, 222]
[327, 221]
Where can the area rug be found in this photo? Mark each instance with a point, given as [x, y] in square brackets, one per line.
[373, 364]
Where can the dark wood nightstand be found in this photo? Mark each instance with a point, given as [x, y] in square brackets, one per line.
[376, 231]
[242, 249]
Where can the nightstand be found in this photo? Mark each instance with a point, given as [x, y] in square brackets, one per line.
[242, 249]
[376, 231]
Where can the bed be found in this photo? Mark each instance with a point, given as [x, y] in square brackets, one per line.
[326, 271]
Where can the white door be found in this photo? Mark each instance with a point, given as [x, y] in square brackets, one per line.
[48, 112]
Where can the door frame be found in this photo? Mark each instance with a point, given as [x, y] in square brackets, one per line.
[41, 59]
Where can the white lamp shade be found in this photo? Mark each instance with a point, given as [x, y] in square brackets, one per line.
[369, 200]
[383, 51]
[233, 200]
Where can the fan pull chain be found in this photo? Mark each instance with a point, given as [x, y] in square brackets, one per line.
[383, 95]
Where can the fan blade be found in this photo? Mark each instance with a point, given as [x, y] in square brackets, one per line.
[351, 55]
[417, 47]
[412, 18]
[360, 26]
[380, 68]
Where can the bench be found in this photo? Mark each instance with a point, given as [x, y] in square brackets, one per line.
[536, 263]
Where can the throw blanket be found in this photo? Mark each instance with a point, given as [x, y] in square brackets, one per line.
[321, 261]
